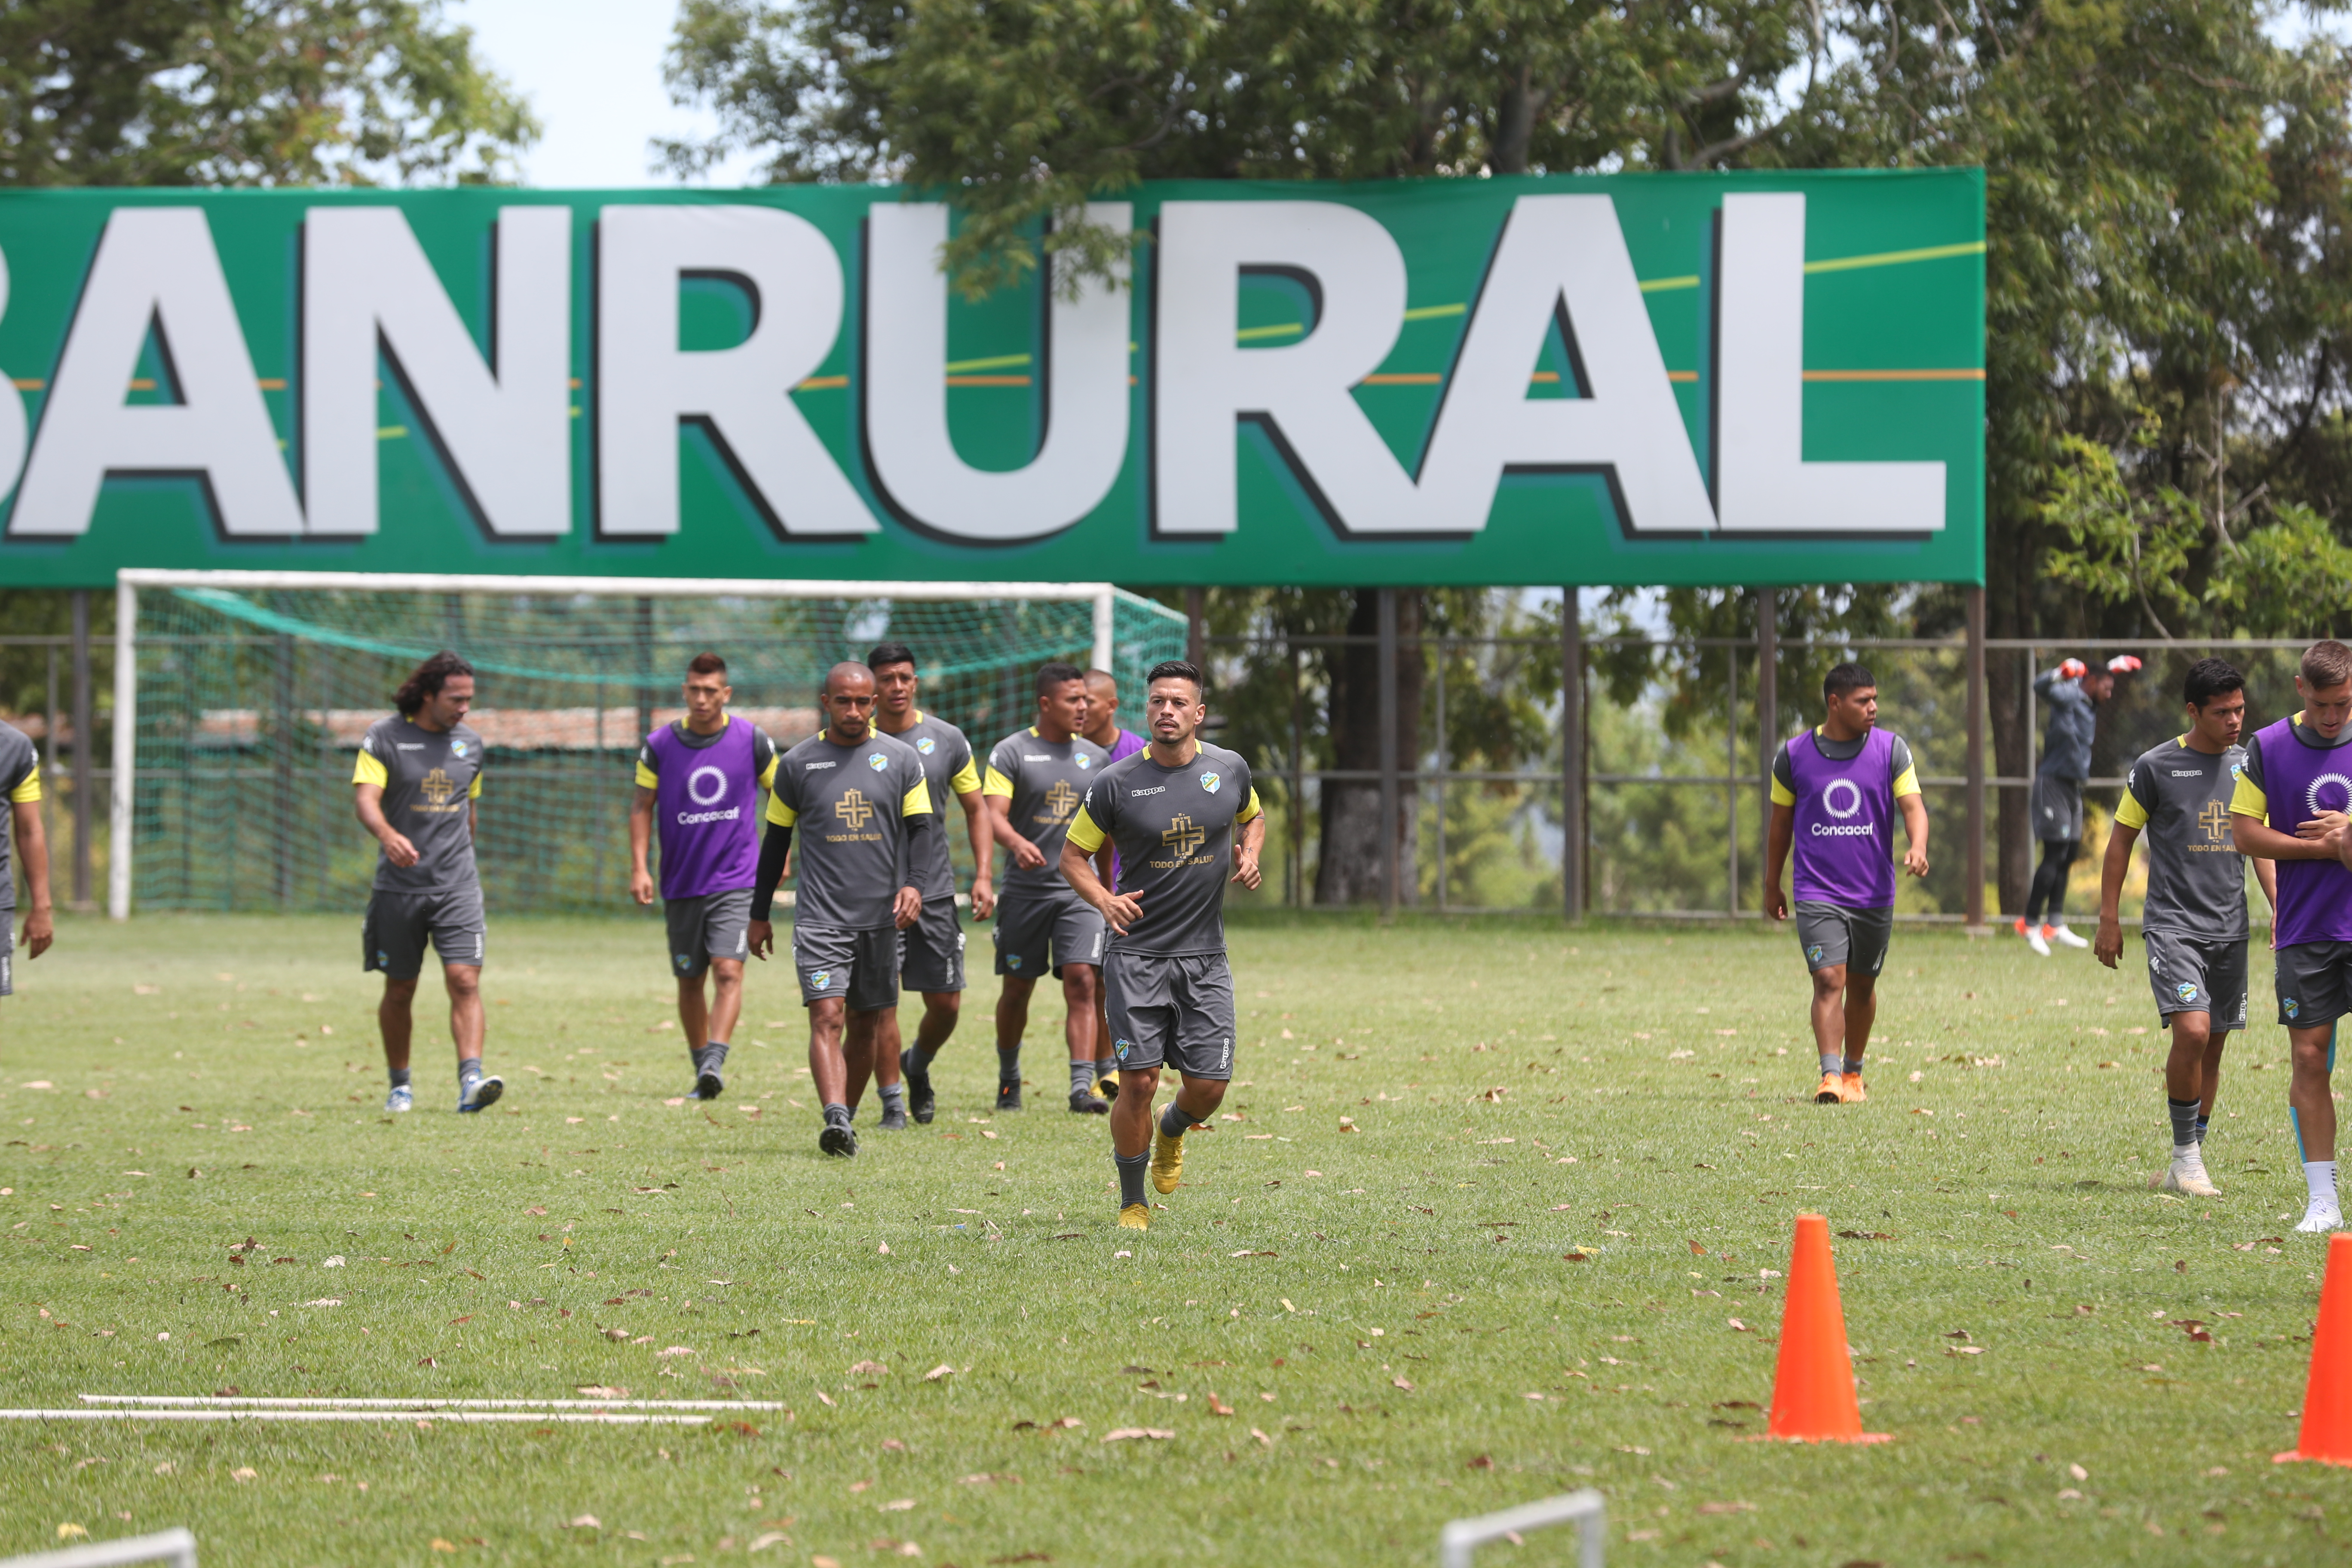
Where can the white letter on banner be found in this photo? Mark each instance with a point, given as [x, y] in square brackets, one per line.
[1762, 483]
[645, 384]
[12, 409]
[156, 267]
[505, 427]
[1204, 381]
[1563, 257]
[1083, 369]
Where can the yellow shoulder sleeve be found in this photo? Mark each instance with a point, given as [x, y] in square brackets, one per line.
[1250, 808]
[2130, 814]
[966, 780]
[768, 774]
[779, 814]
[370, 770]
[474, 790]
[1781, 793]
[28, 792]
[1086, 835]
[2248, 800]
[916, 800]
[1906, 782]
[997, 784]
[647, 777]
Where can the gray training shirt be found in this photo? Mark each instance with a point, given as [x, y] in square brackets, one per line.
[430, 781]
[947, 761]
[20, 781]
[2179, 800]
[849, 806]
[1042, 782]
[1174, 829]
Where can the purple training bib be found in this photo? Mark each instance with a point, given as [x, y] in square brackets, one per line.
[705, 807]
[2299, 782]
[1845, 817]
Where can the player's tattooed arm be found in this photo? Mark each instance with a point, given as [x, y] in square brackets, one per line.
[1246, 846]
[369, 804]
[2107, 947]
[641, 833]
[761, 937]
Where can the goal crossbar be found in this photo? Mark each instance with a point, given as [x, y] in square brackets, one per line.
[1103, 597]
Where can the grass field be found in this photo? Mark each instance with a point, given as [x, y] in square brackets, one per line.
[1388, 1313]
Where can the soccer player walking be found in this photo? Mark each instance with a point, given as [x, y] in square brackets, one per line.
[1103, 729]
[20, 781]
[2074, 690]
[1185, 820]
[2194, 920]
[1035, 779]
[416, 786]
[930, 951]
[2289, 806]
[864, 810]
[1837, 792]
[700, 778]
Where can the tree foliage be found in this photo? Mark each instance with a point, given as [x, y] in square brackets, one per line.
[249, 92]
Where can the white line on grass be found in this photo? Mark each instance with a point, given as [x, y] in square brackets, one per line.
[210, 1401]
[586, 1417]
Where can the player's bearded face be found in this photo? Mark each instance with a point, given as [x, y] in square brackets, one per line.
[847, 712]
[445, 707]
[1174, 712]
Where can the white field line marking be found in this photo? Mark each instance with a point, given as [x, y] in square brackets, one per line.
[211, 1401]
[586, 1417]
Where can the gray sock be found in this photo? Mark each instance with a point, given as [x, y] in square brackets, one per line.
[2184, 1121]
[836, 1115]
[1175, 1122]
[469, 1068]
[917, 1062]
[894, 1097]
[1833, 1061]
[1008, 1066]
[1131, 1168]
[715, 1055]
[399, 1077]
[1082, 1078]
[1853, 1064]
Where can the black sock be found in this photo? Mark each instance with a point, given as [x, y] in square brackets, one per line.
[917, 1062]
[399, 1077]
[1131, 1168]
[2184, 1121]
[836, 1115]
[1008, 1066]
[1175, 1122]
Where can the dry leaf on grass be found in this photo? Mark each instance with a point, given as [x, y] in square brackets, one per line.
[585, 1522]
[1125, 1433]
[868, 1369]
[939, 1371]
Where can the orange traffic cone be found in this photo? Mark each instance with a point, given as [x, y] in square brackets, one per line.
[2326, 1434]
[1813, 1392]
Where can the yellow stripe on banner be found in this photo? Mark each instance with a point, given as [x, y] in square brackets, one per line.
[1681, 376]
[30, 384]
[1895, 258]
[1001, 361]
[1287, 329]
[1402, 378]
[1431, 312]
[271, 383]
[822, 384]
[988, 381]
[141, 383]
[1894, 375]
[391, 432]
[1661, 285]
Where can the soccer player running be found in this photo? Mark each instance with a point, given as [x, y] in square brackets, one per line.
[1035, 779]
[930, 951]
[20, 781]
[1102, 710]
[1836, 791]
[864, 810]
[2289, 806]
[2073, 690]
[700, 778]
[2194, 920]
[1185, 820]
[416, 786]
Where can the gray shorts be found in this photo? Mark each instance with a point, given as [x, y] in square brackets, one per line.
[859, 967]
[2057, 810]
[1832, 934]
[2314, 983]
[2197, 974]
[393, 935]
[930, 951]
[1032, 928]
[1179, 1011]
[708, 926]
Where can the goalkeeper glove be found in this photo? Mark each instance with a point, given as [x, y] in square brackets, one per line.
[2124, 663]
[2072, 669]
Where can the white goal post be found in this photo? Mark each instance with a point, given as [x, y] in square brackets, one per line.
[1103, 597]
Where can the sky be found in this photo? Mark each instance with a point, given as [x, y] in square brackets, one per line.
[592, 70]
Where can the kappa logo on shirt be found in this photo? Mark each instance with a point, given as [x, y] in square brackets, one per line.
[813, 767]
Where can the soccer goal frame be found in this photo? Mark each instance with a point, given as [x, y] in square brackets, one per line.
[1103, 597]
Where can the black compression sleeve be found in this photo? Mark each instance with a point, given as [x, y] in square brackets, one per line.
[772, 869]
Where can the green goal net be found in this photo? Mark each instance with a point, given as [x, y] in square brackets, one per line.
[253, 692]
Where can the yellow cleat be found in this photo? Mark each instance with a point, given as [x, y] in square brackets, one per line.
[1135, 1216]
[1107, 1086]
[1831, 1090]
[1850, 1089]
[1167, 1161]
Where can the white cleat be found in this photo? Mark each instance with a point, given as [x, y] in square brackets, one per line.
[2321, 1217]
[2034, 940]
[2187, 1174]
[2064, 936]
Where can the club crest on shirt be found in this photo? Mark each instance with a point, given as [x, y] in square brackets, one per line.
[820, 979]
[1211, 782]
[457, 748]
[926, 745]
[877, 761]
[1085, 761]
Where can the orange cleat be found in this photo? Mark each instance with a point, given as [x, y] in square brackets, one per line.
[1852, 1091]
[1831, 1091]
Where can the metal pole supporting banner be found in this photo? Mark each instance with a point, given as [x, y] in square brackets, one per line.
[126, 744]
[1974, 747]
[1196, 647]
[1105, 616]
[1388, 682]
[85, 774]
[1732, 781]
[1767, 713]
[1571, 757]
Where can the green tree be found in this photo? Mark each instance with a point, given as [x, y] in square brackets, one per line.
[249, 92]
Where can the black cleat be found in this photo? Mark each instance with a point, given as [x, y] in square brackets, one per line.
[1008, 1097]
[894, 1118]
[1086, 1104]
[838, 1138]
[708, 1085]
[918, 1096]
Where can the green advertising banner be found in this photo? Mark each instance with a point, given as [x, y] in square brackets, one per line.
[1621, 379]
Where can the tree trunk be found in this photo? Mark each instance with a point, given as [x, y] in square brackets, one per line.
[2009, 613]
[1514, 128]
[1348, 866]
